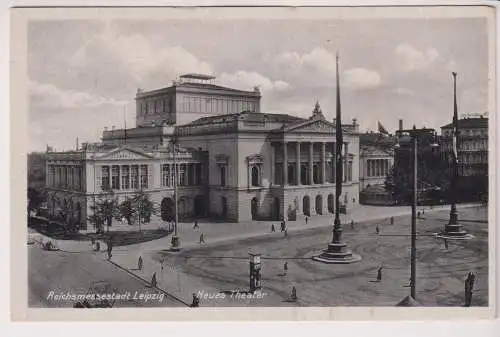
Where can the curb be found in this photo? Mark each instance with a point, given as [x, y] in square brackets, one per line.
[140, 278]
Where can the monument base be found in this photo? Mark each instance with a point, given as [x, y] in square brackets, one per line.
[454, 232]
[408, 301]
[337, 253]
[175, 244]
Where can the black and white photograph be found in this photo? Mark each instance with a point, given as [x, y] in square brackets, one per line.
[222, 157]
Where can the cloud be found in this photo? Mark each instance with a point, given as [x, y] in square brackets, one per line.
[361, 78]
[136, 57]
[412, 59]
[48, 95]
[247, 80]
[318, 68]
[402, 91]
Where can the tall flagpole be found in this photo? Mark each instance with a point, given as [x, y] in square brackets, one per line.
[454, 230]
[125, 124]
[337, 251]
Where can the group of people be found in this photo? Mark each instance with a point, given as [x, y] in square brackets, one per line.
[283, 228]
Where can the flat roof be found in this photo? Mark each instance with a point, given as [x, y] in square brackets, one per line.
[198, 76]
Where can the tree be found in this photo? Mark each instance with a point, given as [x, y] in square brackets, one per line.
[104, 210]
[139, 208]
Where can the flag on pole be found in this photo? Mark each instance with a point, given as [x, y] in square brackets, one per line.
[455, 120]
[382, 129]
[339, 138]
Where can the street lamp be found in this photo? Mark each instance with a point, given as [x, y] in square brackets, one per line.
[337, 251]
[410, 301]
[454, 230]
[176, 241]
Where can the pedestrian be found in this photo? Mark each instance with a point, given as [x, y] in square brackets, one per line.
[285, 267]
[352, 224]
[196, 224]
[139, 263]
[306, 219]
[379, 274]
[202, 238]
[418, 215]
[286, 232]
[467, 293]
[377, 229]
[446, 244]
[282, 226]
[196, 301]
[273, 229]
[110, 248]
[423, 210]
[293, 295]
[392, 220]
[153, 281]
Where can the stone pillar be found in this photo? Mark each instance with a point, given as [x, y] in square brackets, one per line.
[285, 163]
[311, 163]
[345, 162]
[273, 163]
[323, 162]
[297, 162]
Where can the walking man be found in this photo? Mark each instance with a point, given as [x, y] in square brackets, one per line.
[202, 238]
[293, 296]
[377, 229]
[285, 267]
[110, 248]
[392, 220]
[139, 263]
[196, 224]
[153, 281]
[306, 219]
[273, 229]
[379, 274]
[352, 224]
[446, 244]
[467, 293]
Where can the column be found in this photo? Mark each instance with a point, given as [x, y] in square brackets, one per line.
[323, 162]
[273, 163]
[195, 168]
[297, 162]
[311, 163]
[345, 162]
[285, 163]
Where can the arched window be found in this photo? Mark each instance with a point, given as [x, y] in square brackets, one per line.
[255, 176]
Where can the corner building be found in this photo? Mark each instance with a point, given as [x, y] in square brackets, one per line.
[235, 163]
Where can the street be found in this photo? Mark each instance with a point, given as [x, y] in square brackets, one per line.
[51, 273]
[440, 271]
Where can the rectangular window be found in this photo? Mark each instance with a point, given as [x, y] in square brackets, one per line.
[222, 173]
[115, 177]
[134, 177]
[144, 176]
[182, 174]
[105, 178]
[125, 177]
[198, 174]
[165, 175]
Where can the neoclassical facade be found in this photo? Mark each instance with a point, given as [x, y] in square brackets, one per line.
[238, 165]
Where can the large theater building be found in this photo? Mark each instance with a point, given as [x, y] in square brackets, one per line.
[234, 162]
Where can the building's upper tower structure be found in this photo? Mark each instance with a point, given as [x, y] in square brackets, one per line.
[191, 97]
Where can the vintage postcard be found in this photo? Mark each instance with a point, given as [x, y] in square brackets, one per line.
[328, 163]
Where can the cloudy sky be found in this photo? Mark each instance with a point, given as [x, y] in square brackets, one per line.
[83, 74]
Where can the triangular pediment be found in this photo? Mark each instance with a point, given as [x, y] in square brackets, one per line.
[314, 125]
[125, 153]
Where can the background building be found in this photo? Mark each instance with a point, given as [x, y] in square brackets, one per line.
[472, 145]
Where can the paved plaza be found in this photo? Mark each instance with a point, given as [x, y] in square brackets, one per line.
[222, 266]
